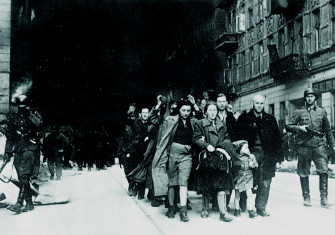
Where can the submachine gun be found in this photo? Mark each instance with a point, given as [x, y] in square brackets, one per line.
[315, 133]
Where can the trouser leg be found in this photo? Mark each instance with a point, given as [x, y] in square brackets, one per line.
[141, 190]
[51, 166]
[58, 162]
[171, 197]
[243, 201]
[263, 193]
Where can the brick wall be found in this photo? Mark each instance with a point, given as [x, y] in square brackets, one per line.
[5, 25]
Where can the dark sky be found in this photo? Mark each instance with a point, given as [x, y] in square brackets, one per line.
[89, 59]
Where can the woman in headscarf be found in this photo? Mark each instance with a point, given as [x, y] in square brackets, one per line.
[214, 173]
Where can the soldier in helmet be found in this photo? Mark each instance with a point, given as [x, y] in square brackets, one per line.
[23, 128]
[313, 133]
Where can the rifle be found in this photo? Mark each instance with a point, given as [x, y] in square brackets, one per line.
[315, 133]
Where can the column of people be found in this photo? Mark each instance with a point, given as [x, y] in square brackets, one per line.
[180, 146]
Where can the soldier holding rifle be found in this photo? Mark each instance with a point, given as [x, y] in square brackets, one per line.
[22, 128]
[313, 133]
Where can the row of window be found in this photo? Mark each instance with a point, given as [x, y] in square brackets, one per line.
[307, 34]
[257, 10]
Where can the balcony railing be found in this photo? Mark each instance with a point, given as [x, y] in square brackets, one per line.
[290, 68]
[227, 41]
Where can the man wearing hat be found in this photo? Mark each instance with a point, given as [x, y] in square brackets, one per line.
[313, 133]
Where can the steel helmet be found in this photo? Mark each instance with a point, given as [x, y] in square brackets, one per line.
[310, 91]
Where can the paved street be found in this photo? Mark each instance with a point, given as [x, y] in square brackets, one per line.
[100, 205]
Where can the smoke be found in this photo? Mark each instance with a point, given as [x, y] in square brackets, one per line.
[22, 87]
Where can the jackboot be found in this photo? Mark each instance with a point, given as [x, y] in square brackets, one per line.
[205, 206]
[323, 184]
[304, 182]
[19, 204]
[28, 198]
[29, 206]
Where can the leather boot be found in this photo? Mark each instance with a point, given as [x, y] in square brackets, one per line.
[205, 206]
[19, 204]
[323, 184]
[29, 206]
[304, 182]
[28, 198]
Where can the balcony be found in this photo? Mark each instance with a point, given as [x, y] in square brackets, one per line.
[287, 7]
[227, 42]
[290, 68]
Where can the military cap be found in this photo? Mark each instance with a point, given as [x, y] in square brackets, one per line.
[310, 91]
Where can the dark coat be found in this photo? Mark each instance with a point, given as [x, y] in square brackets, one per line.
[212, 136]
[204, 135]
[269, 135]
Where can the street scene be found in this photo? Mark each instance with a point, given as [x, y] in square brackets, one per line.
[112, 211]
[167, 116]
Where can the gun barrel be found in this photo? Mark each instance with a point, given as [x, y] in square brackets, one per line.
[314, 132]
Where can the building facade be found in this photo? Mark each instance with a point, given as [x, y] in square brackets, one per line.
[5, 33]
[278, 48]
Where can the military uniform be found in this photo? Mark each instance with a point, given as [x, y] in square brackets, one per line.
[311, 147]
[23, 129]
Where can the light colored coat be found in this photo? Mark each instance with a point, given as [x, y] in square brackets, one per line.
[159, 173]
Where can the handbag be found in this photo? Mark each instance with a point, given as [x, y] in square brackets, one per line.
[214, 161]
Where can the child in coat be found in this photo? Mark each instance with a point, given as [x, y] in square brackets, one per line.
[244, 177]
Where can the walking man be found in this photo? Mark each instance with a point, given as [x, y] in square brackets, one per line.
[261, 131]
[54, 145]
[313, 133]
[141, 127]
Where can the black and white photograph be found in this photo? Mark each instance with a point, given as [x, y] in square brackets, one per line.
[167, 117]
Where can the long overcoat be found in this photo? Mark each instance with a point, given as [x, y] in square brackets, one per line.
[159, 173]
[269, 135]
